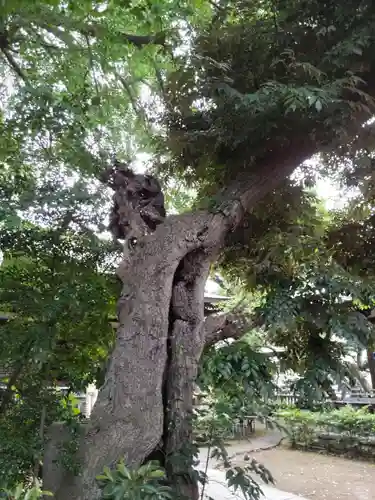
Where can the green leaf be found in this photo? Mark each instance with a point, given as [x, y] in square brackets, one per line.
[157, 474]
[123, 470]
[108, 473]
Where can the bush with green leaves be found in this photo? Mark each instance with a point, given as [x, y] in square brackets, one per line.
[208, 423]
[150, 482]
[22, 434]
[351, 427]
[21, 492]
[144, 483]
[346, 419]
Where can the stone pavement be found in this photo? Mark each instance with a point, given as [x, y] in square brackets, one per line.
[217, 486]
[218, 490]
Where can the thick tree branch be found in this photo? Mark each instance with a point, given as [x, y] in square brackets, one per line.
[142, 40]
[277, 163]
[223, 326]
[67, 25]
[138, 41]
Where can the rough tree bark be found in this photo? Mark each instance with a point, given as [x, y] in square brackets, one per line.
[145, 403]
[222, 326]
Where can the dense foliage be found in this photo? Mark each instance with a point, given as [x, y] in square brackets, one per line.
[266, 83]
[141, 484]
[344, 431]
[57, 294]
[346, 420]
[210, 90]
[20, 492]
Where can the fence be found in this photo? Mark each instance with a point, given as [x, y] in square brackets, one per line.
[86, 401]
[286, 399]
[355, 397]
[242, 428]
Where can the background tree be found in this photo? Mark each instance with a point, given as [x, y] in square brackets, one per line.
[57, 293]
[296, 289]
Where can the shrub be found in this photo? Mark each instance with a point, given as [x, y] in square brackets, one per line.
[343, 430]
[149, 482]
[20, 492]
[144, 483]
[347, 420]
[208, 424]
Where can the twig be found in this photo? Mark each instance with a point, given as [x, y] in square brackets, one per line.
[216, 6]
[137, 109]
[91, 61]
[8, 393]
[221, 12]
[14, 65]
[138, 41]
[97, 133]
[129, 92]
[41, 437]
[207, 459]
[48, 47]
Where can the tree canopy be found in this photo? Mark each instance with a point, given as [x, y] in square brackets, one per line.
[225, 100]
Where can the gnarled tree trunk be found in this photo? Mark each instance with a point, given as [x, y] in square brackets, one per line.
[146, 400]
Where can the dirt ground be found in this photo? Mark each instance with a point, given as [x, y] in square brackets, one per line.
[316, 476]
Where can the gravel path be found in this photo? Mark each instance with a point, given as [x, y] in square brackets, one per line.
[318, 477]
[262, 440]
[311, 475]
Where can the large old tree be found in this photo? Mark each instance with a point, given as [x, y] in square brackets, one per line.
[255, 89]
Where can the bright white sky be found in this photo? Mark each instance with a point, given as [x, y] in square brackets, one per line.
[327, 191]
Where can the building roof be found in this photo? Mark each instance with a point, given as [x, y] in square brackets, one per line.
[272, 350]
[215, 299]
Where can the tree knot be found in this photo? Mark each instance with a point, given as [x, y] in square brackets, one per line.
[138, 202]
